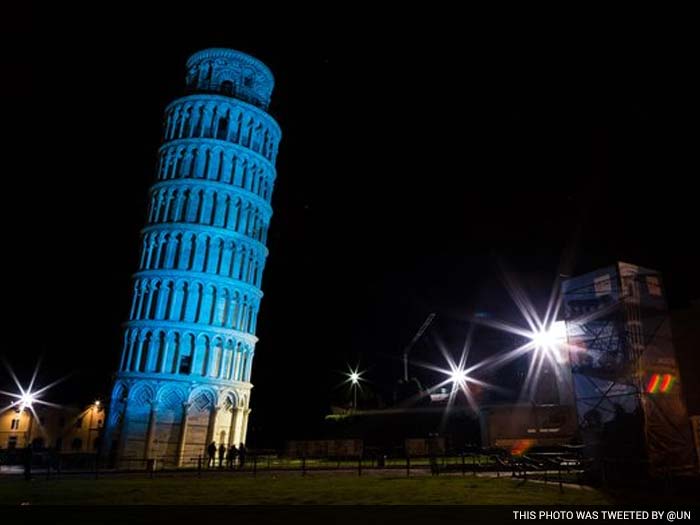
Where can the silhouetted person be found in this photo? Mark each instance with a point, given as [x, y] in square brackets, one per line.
[28, 463]
[241, 456]
[231, 457]
[211, 452]
[432, 452]
[222, 454]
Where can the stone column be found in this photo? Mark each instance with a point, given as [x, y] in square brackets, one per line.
[135, 301]
[205, 126]
[183, 434]
[151, 430]
[167, 343]
[244, 424]
[123, 432]
[125, 351]
[249, 366]
[212, 423]
[139, 351]
[235, 417]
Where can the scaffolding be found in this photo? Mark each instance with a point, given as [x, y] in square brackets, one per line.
[625, 375]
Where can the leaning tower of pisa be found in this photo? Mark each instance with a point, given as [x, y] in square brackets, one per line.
[184, 374]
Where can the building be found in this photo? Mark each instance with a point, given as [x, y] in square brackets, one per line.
[625, 374]
[184, 374]
[62, 428]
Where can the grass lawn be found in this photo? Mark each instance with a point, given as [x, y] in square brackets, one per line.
[291, 488]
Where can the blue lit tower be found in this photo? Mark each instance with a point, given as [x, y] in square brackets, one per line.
[184, 373]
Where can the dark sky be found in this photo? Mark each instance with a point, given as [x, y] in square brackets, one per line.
[412, 167]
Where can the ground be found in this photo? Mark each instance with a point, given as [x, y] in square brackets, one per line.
[292, 488]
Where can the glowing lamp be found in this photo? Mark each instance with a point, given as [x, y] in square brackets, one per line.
[355, 378]
[458, 376]
[549, 337]
[26, 400]
[544, 339]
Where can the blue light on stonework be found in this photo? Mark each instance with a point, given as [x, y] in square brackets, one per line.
[190, 337]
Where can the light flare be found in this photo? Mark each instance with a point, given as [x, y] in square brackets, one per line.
[27, 399]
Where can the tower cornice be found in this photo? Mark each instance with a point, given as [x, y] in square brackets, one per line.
[231, 54]
[226, 144]
[165, 378]
[209, 97]
[220, 186]
[166, 226]
[184, 327]
[200, 276]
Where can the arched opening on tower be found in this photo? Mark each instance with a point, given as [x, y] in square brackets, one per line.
[222, 130]
[227, 87]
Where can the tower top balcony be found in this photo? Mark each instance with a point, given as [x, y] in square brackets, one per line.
[230, 73]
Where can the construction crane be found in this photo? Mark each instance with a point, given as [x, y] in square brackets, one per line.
[415, 339]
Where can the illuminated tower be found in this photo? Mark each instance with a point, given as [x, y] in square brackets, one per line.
[184, 373]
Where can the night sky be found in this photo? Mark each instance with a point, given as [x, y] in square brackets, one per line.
[411, 172]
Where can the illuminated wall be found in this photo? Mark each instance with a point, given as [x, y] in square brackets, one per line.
[189, 343]
[64, 429]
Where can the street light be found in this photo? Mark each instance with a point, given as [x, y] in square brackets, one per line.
[549, 339]
[26, 400]
[544, 338]
[94, 408]
[354, 376]
[355, 379]
[458, 376]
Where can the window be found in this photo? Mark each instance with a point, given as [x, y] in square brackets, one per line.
[12, 442]
[99, 423]
[603, 285]
[222, 130]
[248, 81]
[15, 424]
[79, 422]
[227, 87]
[185, 364]
[654, 285]
[77, 444]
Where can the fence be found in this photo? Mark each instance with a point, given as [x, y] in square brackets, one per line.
[554, 467]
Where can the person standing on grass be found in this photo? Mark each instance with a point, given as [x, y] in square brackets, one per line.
[432, 451]
[231, 458]
[211, 452]
[27, 462]
[241, 456]
[222, 453]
